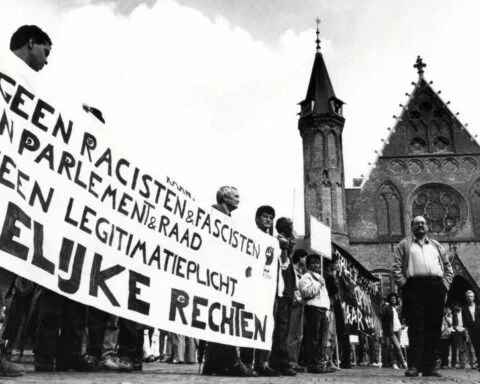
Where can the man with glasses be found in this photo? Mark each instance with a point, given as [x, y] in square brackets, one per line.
[422, 270]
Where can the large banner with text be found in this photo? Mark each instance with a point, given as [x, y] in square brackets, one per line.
[78, 217]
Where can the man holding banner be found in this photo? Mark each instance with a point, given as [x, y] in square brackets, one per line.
[222, 359]
[31, 45]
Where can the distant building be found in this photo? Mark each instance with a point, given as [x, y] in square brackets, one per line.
[429, 166]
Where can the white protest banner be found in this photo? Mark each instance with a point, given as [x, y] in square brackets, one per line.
[79, 218]
[320, 238]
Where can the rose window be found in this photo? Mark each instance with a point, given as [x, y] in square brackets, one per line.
[441, 206]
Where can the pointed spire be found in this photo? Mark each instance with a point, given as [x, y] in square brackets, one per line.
[320, 89]
[419, 64]
[318, 21]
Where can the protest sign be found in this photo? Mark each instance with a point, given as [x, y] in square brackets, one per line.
[80, 218]
[359, 294]
[320, 238]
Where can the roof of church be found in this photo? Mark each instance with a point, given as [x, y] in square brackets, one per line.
[426, 126]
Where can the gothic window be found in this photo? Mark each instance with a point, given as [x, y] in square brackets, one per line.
[389, 211]
[326, 198]
[444, 208]
[476, 207]
[339, 207]
[307, 151]
[332, 150]
[317, 150]
[382, 215]
[395, 215]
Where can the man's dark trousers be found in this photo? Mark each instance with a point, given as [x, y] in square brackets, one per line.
[56, 312]
[423, 305]
[279, 354]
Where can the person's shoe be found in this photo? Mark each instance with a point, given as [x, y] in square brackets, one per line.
[267, 372]
[85, 363]
[43, 365]
[328, 370]
[298, 368]
[7, 368]
[125, 364]
[433, 373]
[376, 365]
[395, 366]
[315, 369]
[109, 363]
[287, 371]
[240, 370]
[444, 367]
[43, 368]
[137, 365]
[411, 372]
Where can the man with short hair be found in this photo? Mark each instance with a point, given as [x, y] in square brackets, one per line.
[264, 217]
[222, 359]
[422, 270]
[279, 359]
[471, 321]
[32, 45]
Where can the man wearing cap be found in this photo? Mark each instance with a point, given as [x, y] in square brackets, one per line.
[422, 270]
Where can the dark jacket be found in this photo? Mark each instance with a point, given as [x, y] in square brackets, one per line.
[468, 322]
[387, 319]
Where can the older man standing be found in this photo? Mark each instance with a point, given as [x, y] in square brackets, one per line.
[423, 272]
[471, 321]
[221, 359]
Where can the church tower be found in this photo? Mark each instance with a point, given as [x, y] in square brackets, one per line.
[321, 125]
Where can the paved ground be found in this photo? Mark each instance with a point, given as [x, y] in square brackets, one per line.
[179, 374]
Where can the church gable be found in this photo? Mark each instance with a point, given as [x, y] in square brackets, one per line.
[428, 127]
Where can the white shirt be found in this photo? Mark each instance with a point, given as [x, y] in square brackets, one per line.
[424, 260]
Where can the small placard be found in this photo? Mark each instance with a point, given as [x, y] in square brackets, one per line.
[353, 339]
[320, 238]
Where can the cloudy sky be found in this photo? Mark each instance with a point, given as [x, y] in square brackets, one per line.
[207, 90]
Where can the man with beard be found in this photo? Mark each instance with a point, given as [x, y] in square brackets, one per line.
[422, 271]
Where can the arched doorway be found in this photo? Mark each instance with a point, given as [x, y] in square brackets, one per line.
[457, 290]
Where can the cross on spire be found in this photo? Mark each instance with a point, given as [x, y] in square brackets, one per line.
[318, 21]
[419, 65]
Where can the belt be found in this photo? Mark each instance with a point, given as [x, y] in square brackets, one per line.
[425, 278]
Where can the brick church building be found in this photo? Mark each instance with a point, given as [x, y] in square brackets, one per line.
[429, 166]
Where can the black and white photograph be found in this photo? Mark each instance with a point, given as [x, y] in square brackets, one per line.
[221, 191]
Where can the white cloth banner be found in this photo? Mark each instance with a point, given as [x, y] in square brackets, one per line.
[80, 219]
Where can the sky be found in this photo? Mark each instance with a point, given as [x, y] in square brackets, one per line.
[206, 91]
